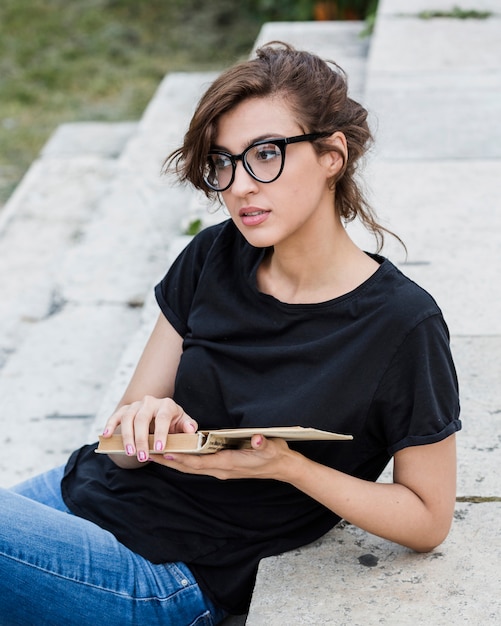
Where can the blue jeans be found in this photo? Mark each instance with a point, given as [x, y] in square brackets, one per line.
[56, 568]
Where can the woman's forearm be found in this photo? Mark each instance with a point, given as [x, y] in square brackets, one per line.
[393, 511]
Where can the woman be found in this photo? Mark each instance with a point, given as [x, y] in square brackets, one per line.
[272, 318]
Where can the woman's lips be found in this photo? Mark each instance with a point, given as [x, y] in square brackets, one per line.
[251, 216]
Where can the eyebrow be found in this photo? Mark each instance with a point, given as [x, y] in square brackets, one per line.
[263, 137]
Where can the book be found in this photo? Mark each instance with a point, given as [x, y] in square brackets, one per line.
[209, 441]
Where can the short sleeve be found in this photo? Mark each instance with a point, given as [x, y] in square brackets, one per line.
[417, 401]
[175, 292]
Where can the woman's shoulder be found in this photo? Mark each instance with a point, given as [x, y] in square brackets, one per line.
[402, 295]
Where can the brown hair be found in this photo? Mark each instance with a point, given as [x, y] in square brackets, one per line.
[316, 91]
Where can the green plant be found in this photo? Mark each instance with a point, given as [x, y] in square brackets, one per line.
[194, 227]
[370, 18]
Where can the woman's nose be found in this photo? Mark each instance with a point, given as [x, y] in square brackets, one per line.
[243, 183]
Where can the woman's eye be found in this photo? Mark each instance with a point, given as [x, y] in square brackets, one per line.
[220, 162]
[266, 152]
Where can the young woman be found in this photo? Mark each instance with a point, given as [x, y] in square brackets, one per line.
[272, 318]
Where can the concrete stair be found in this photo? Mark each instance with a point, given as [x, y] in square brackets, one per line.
[82, 241]
[93, 226]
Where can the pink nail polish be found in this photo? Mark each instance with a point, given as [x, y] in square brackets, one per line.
[142, 456]
[159, 446]
[129, 449]
[168, 457]
[106, 431]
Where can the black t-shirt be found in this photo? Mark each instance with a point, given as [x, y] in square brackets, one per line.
[374, 363]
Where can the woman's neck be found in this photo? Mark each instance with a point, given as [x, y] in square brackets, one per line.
[315, 271]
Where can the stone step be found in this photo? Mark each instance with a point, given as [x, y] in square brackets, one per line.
[83, 240]
[352, 578]
[49, 384]
[100, 139]
[52, 385]
[44, 219]
[424, 82]
[47, 215]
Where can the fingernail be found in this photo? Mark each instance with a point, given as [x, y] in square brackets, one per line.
[106, 431]
[168, 457]
[142, 456]
[191, 427]
[129, 449]
[159, 446]
[259, 440]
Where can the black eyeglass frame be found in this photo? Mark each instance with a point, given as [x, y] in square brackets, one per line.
[281, 143]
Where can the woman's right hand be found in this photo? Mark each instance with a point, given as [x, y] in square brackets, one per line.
[135, 421]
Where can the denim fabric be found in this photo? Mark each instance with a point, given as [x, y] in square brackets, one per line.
[56, 568]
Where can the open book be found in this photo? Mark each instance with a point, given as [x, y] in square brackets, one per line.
[207, 441]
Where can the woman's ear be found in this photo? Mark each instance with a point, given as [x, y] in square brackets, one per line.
[336, 159]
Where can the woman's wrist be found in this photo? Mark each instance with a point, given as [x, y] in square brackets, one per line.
[293, 467]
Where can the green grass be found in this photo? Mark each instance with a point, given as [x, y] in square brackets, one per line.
[101, 60]
[456, 13]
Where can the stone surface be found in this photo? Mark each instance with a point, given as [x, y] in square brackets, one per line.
[52, 385]
[413, 7]
[351, 578]
[398, 47]
[174, 101]
[43, 220]
[422, 95]
[479, 443]
[440, 126]
[89, 138]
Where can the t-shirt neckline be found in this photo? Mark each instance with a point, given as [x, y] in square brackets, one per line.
[384, 265]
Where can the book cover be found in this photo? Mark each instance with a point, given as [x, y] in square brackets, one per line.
[209, 441]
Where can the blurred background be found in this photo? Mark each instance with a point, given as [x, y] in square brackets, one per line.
[101, 60]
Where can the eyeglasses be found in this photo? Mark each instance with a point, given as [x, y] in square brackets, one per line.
[263, 160]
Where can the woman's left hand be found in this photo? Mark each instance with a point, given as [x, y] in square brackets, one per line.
[266, 458]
